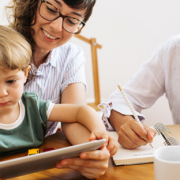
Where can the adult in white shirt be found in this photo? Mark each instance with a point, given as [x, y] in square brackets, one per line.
[159, 75]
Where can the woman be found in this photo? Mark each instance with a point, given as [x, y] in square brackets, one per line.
[59, 65]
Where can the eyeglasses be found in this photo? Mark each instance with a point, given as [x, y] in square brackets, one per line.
[50, 13]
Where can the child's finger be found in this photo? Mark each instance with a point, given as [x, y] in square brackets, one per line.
[112, 142]
[101, 135]
[112, 146]
[113, 151]
[102, 147]
[92, 137]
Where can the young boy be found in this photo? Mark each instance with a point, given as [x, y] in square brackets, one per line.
[23, 116]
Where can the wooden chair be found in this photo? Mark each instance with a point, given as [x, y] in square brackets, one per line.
[94, 47]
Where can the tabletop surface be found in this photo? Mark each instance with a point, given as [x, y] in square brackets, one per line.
[58, 140]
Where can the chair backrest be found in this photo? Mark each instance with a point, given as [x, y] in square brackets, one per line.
[94, 47]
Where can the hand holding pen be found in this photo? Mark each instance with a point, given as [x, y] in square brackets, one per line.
[132, 110]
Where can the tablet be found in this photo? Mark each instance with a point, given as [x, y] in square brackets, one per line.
[45, 160]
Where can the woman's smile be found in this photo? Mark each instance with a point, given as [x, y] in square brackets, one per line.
[48, 37]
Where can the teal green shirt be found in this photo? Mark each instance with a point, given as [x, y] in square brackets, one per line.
[30, 133]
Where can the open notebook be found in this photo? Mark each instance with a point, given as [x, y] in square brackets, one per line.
[143, 154]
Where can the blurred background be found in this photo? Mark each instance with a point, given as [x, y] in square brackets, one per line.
[129, 32]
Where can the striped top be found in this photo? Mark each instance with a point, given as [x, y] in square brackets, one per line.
[63, 66]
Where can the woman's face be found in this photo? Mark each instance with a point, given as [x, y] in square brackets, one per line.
[50, 34]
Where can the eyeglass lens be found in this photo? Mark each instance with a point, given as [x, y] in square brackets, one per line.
[49, 12]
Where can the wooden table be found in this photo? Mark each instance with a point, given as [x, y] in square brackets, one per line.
[58, 140]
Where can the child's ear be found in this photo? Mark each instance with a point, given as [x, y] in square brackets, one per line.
[26, 73]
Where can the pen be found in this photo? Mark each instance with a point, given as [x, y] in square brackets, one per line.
[131, 108]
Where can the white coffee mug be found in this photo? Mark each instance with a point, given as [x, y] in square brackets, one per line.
[167, 163]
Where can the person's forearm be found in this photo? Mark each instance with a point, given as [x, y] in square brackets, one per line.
[117, 119]
[88, 117]
[87, 121]
[76, 133]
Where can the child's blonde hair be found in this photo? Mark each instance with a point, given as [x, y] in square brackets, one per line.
[15, 51]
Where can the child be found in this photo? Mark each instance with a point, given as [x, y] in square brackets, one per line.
[23, 116]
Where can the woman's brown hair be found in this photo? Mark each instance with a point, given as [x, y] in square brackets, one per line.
[21, 15]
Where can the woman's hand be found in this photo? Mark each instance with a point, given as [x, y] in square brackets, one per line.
[90, 164]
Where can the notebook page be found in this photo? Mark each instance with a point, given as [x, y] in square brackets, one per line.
[144, 152]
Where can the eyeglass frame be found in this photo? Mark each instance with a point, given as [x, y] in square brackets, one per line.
[60, 15]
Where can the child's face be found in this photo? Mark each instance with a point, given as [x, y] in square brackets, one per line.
[11, 88]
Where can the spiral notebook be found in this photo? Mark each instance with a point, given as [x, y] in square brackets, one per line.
[143, 154]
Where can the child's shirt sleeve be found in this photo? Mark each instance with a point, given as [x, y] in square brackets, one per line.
[51, 105]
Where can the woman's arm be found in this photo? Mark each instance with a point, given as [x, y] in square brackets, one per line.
[91, 164]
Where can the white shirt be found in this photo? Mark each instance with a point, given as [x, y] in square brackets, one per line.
[64, 65]
[159, 75]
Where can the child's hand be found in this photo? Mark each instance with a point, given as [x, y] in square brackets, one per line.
[111, 143]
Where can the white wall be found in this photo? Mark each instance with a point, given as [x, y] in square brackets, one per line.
[3, 20]
[129, 32]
